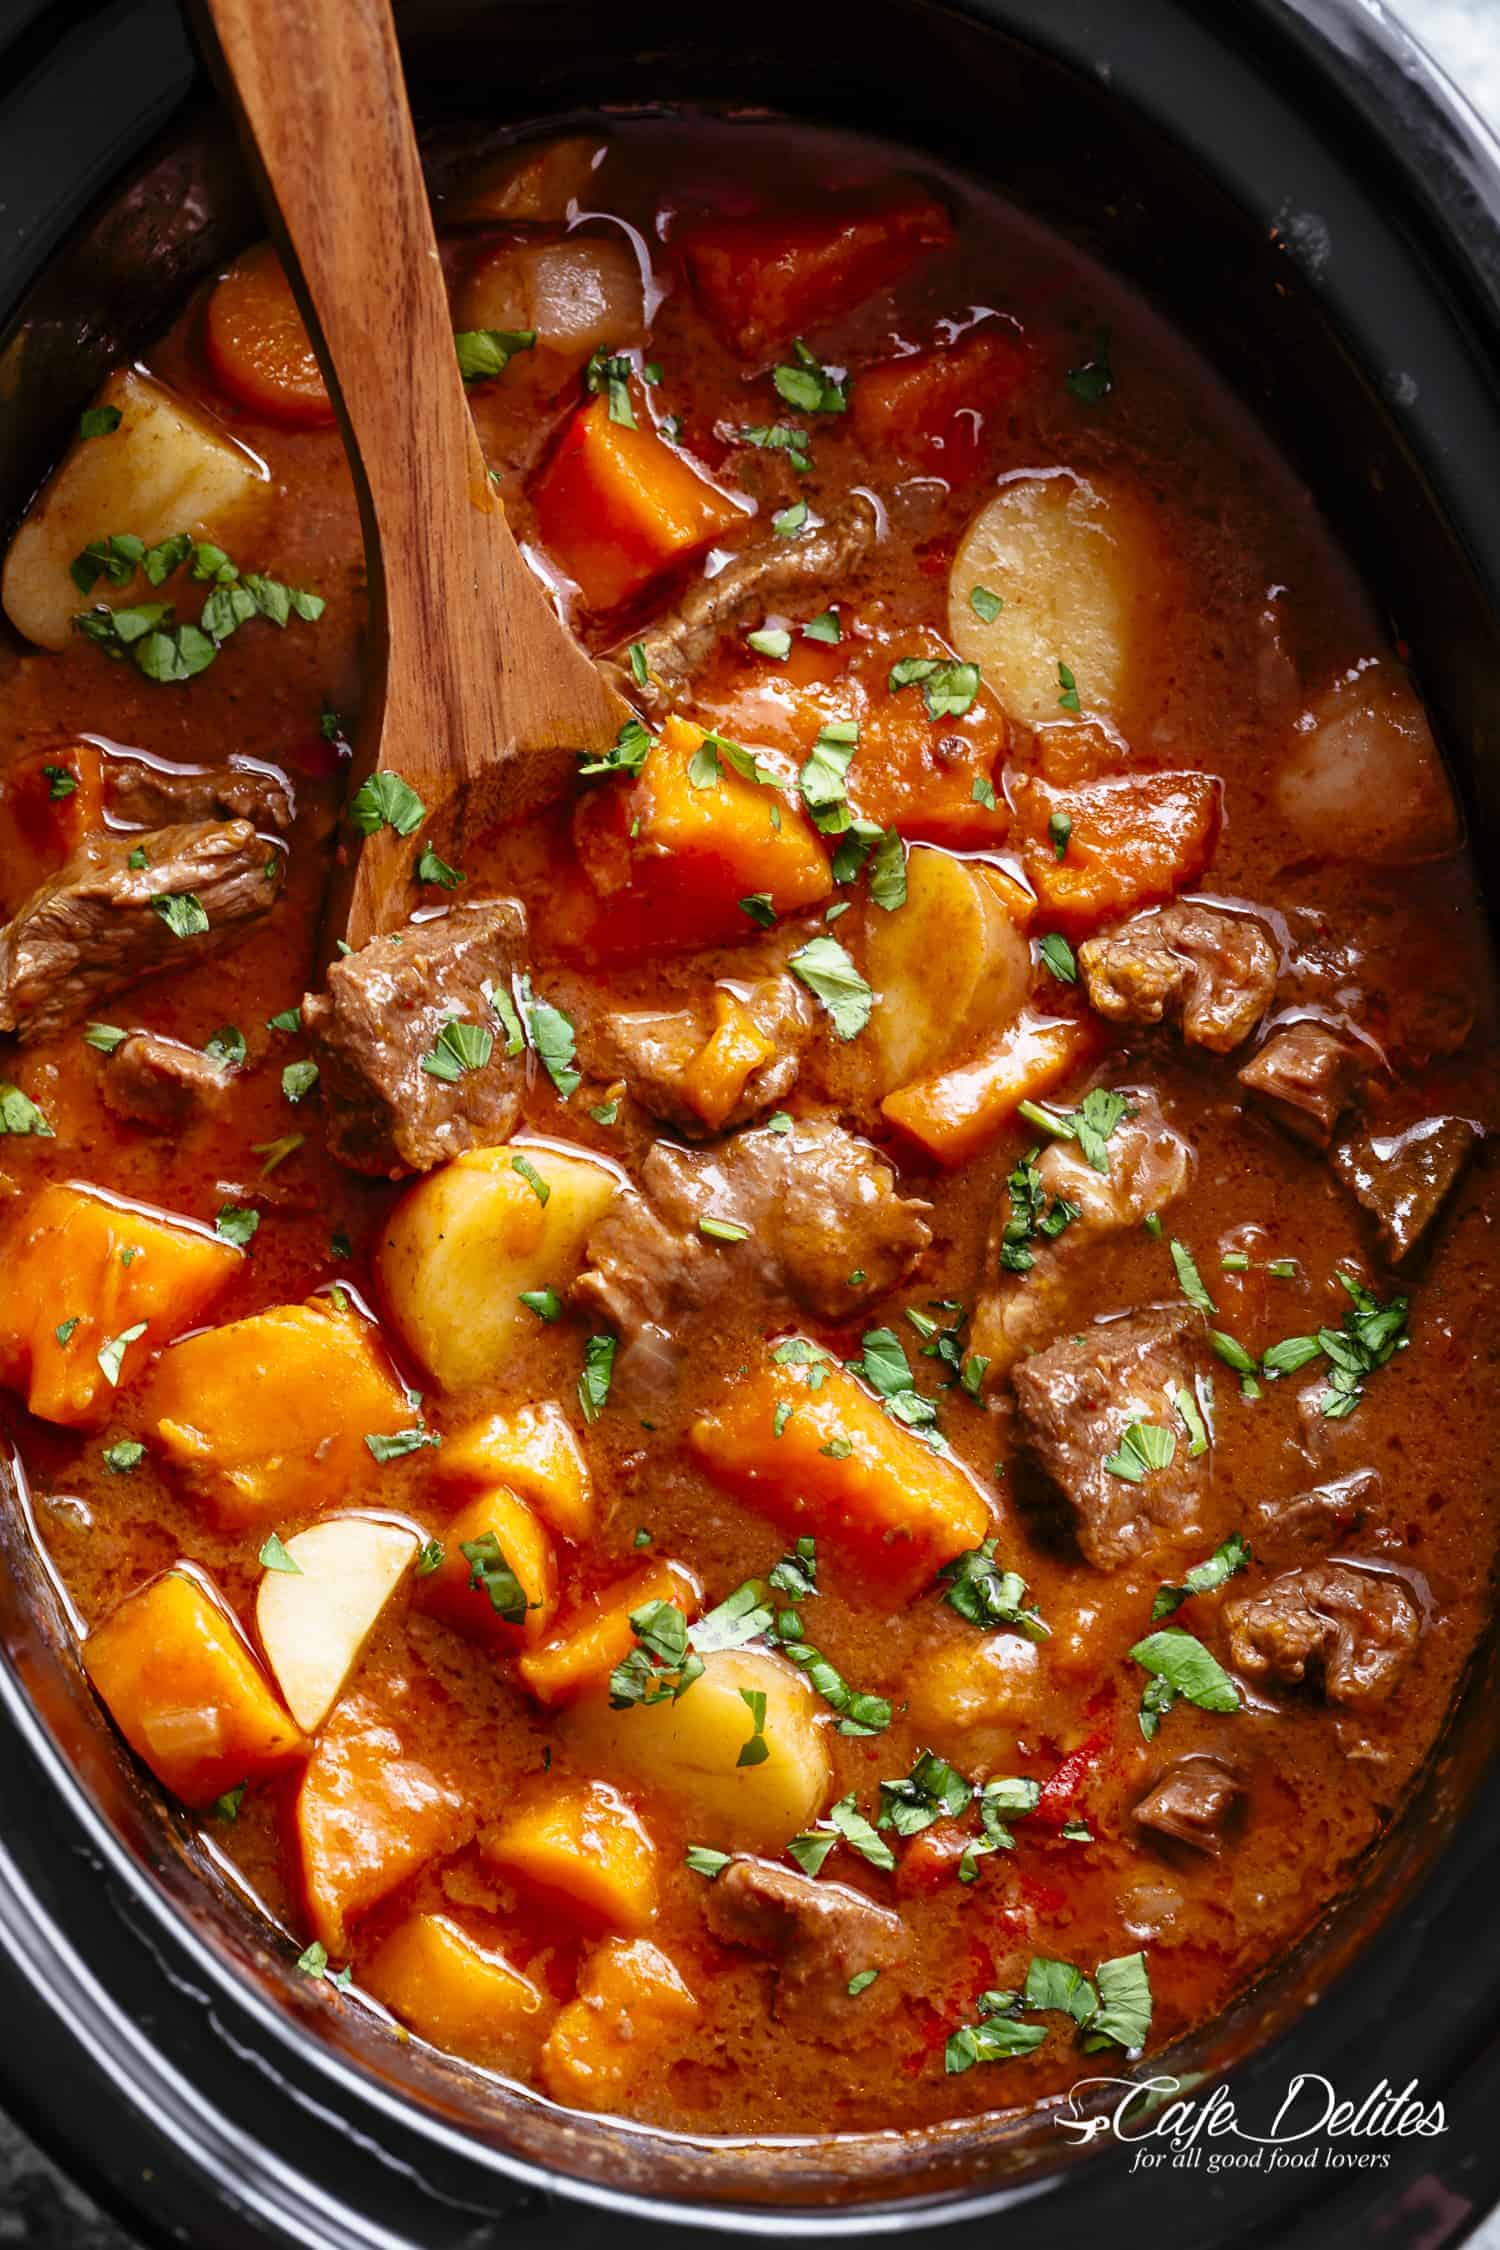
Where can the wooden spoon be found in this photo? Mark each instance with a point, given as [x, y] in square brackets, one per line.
[479, 697]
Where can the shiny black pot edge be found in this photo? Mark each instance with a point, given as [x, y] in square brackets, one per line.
[130, 2048]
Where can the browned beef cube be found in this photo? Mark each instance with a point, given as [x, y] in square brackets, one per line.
[1306, 1076]
[161, 1083]
[821, 1934]
[1076, 1402]
[1193, 1802]
[827, 1230]
[152, 796]
[1404, 1179]
[652, 1048]
[1316, 1518]
[1214, 972]
[377, 1026]
[1352, 1632]
[102, 924]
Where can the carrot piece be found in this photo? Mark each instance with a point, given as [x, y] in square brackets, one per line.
[83, 1271]
[585, 1848]
[670, 856]
[366, 1817]
[258, 349]
[630, 2000]
[269, 1416]
[175, 1673]
[534, 1451]
[1134, 838]
[762, 281]
[459, 1590]
[452, 1991]
[718, 1074]
[930, 408]
[955, 1112]
[49, 801]
[617, 506]
[841, 1468]
[598, 1635]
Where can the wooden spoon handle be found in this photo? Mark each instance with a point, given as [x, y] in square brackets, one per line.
[470, 664]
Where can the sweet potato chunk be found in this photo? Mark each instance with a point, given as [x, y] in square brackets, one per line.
[737, 1048]
[175, 1674]
[481, 1593]
[670, 857]
[534, 1451]
[763, 281]
[1135, 838]
[83, 1272]
[49, 801]
[268, 1417]
[842, 1469]
[958, 1110]
[367, 1816]
[630, 1999]
[930, 408]
[617, 506]
[598, 1635]
[452, 1991]
[584, 1847]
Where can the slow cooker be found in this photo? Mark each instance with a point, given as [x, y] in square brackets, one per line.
[1293, 184]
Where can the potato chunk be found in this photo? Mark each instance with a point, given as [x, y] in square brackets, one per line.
[689, 1749]
[630, 1999]
[584, 1847]
[977, 1680]
[534, 1451]
[92, 1286]
[1362, 777]
[1074, 565]
[575, 297]
[367, 1816]
[504, 1590]
[453, 1991]
[959, 913]
[462, 1244]
[314, 1621]
[173, 1670]
[163, 469]
[268, 1417]
[840, 1467]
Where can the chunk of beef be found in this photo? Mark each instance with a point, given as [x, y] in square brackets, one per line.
[380, 1019]
[1150, 1164]
[100, 924]
[654, 1051]
[1193, 1802]
[161, 1083]
[1214, 972]
[157, 796]
[821, 1934]
[1306, 1076]
[1318, 1517]
[1350, 1631]
[1404, 1179]
[678, 646]
[828, 1231]
[1077, 1399]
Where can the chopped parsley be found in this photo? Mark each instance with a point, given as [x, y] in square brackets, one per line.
[105, 1037]
[661, 1667]
[598, 1371]
[1189, 1280]
[1111, 2009]
[985, 605]
[1370, 1334]
[182, 912]
[1205, 1577]
[825, 774]
[298, 1080]
[1068, 700]
[99, 421]
[460, 1047]
[985, 1595]
[824, 627]
[948, 687]
[1144, 1447]
[551, 1035]
[386, 801]
[781, 437]
[111, 1355]
[123, 1456]
[701, 1859]
[19, 1114]
[830, 975]
[1090, 1125]
[1059, 829]
[773, 641]
[1180, 1666]
[787, 523]
[1095, 378]
[275, 1556]
[809, 386]
[1057, 954]
[1030, 1215]
[432, 869]
[545, 1303]
[610, 373]
[486, 352]
[235, 1225]
[490, 1573]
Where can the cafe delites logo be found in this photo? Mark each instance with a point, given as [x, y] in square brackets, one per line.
[1170, 2127]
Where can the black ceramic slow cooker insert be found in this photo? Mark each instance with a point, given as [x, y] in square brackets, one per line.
[1292, 184]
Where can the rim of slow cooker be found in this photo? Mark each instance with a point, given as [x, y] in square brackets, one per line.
[1447, 167]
